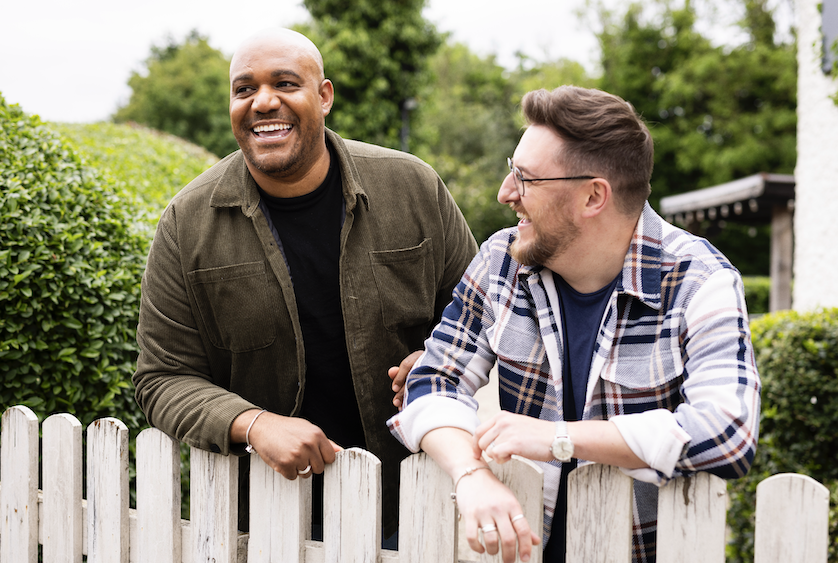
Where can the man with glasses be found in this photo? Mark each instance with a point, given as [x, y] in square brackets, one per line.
[619, 338]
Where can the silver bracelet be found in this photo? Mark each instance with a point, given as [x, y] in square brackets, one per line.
[248, 448]
[465, 473]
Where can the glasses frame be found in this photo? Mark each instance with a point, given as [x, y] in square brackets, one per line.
[520, 182]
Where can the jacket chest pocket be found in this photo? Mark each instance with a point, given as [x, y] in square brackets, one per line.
[646, 375]
[405, 280]
[234, 306]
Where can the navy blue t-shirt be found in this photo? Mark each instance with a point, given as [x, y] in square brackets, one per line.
[581, 315]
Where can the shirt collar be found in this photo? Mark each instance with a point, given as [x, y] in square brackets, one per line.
[641, 269]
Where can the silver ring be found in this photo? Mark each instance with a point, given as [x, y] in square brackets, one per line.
[516, 518]
[304, 471]
[487, 529]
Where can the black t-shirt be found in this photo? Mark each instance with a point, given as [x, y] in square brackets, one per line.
[309, 228]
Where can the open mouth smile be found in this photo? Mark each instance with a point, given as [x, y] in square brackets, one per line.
[272, 131]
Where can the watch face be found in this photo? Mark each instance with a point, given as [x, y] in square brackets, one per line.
[563, 449]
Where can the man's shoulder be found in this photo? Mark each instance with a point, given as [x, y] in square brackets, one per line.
[368, 155]
[678, 245]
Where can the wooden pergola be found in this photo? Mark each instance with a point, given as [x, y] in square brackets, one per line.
[755, 200]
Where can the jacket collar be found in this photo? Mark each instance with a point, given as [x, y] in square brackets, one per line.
[235, 186]
[641, 277]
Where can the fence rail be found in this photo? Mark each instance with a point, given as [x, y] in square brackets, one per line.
[792, 510]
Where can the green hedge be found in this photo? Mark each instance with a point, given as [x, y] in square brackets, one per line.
[757, 294]
[70, 265]
[797, 357]
[151, 165]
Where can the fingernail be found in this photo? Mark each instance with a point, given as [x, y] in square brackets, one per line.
[525, 558]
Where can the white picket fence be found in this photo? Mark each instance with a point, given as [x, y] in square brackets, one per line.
[791, 509]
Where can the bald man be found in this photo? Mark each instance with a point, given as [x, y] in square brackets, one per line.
[284, 281]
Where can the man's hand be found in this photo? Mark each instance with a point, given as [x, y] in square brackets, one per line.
[488, 506]
[289, 445]
[507, 434]
[484, 502]
[399, 375]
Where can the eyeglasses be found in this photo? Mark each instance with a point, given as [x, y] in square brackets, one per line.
[518, 176]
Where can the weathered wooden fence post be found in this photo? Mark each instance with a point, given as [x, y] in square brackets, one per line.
[107, 491]
[691, 520]
[19, 493]
[213, 503]
[158, 499]
[352, 515]
[63, 527]
[280, 511]
[427, 517]
[792, 520]
[596, 533]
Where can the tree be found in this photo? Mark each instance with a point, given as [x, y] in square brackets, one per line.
[376, 55]
[717, 113]
[185, 91]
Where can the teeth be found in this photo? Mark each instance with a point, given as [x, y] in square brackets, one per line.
[274, 127]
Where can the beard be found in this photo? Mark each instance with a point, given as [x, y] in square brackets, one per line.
[550, 241]
[282, 164]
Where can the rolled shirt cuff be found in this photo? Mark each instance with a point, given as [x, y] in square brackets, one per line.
[656, 438]
[429, 413]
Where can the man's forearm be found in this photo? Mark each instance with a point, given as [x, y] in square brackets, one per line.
[600, 441]
[452, 449]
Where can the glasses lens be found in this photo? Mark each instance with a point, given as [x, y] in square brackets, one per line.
[516, 176]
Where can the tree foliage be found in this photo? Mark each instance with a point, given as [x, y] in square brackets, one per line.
[376, 55]
[717, 113]
[185, 91]
[70, 267]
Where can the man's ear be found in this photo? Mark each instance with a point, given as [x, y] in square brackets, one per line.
[599, 194]
[327, 96]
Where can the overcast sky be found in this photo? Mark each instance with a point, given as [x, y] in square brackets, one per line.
[70, 61]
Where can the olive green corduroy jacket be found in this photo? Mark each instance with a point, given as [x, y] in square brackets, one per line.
[218, 328]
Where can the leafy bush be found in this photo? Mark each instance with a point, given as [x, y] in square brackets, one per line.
[70, 265]
[797, 357]
[148, 164]
[757, 293]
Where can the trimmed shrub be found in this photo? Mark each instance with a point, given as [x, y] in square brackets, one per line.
[70, 265]
[151, 165]
[757, 293]
[797, 357]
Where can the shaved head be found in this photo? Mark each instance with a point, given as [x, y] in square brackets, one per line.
[276, 38]
[279, 100]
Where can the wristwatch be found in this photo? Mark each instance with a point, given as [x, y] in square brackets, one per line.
[562, 447]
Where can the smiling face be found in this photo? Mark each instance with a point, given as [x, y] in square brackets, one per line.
[278, 104]
[546, 226]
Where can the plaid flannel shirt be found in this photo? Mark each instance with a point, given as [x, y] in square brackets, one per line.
[673, 365]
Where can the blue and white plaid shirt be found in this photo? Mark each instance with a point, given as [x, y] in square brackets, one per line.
[673, 365]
